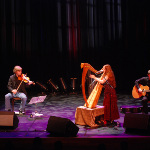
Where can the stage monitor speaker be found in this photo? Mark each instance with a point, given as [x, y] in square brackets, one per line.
[136, 121]
[61, 127]
[8, 119]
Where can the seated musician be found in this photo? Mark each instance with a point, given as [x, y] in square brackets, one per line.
[144, 81]
[111, 112]
[16, 90]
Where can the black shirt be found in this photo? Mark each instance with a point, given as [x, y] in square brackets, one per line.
[144, 81]
[13, 83]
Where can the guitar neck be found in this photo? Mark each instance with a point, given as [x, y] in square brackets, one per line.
[146, 91]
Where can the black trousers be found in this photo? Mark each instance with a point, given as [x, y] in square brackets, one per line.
[145, 100]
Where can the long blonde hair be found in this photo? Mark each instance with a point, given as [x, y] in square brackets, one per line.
[110, 74]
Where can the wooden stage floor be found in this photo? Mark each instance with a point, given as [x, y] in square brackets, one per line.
[32, 131]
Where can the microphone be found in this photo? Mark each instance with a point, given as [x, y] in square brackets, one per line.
[92, 83]
[99, 72]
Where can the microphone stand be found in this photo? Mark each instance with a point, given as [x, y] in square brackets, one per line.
[92, 83]
[98, 72]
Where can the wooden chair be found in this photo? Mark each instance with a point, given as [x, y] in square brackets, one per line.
[13, 101]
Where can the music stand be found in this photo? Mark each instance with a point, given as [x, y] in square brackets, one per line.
[36, 100]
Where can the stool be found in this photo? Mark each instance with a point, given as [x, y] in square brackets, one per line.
[87, 116]
[13, 101]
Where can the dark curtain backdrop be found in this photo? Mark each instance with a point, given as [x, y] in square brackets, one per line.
[50, 38]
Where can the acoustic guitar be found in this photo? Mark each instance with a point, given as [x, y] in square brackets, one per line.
[137, 94]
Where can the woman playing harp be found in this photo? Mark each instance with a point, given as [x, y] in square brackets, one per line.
[110, 98]
[107, 80]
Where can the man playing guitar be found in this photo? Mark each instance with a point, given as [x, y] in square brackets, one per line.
[146, 82]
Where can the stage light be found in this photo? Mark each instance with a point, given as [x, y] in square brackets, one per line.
[63, 84]
[53, 85]
[73, 84]
[42, 86]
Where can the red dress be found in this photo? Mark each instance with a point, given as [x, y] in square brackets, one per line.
[110, 103]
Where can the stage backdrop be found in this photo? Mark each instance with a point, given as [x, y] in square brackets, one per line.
[50, 38]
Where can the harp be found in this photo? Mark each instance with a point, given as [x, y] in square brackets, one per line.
[93, 98]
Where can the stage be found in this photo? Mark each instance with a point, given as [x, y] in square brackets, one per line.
[33, 130]
[49, 39]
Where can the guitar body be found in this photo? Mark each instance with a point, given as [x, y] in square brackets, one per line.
[135, 92]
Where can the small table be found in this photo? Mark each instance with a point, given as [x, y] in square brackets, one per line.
[88, 116]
